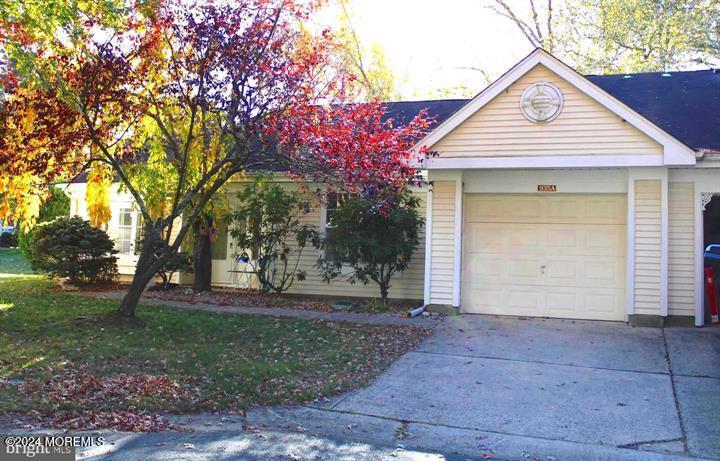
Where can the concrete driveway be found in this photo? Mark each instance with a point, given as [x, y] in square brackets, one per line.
[592, 384]
[484, 387]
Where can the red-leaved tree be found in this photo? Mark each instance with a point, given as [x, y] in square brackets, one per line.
[356, 147]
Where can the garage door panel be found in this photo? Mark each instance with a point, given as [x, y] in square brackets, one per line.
[523, 239]
[600, 303]
[562, 271]
[611, 209]
[486, 238]
[605, 240]
[486, 267]
[523, 300]
[491, 301]
[562, 303]
[503, 238]
[600, 273]
[571, 269]
[559, 209]
[606, 274]
[559, 237]
[563, 209]
[521, 271]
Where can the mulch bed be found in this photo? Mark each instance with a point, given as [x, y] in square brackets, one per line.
[245, 298]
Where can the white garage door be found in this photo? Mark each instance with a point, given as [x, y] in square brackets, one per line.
[546, 256]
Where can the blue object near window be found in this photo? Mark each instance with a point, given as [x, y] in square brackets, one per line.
[712, 253]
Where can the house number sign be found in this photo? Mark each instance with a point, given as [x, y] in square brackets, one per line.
[547, 188]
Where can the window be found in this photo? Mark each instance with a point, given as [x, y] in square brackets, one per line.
[129, 230]
[334, 202]
[220, 242]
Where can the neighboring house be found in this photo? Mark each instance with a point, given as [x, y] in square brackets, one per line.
[552, 194]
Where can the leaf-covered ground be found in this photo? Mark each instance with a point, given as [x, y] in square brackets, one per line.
[251, 298]
[71, 362]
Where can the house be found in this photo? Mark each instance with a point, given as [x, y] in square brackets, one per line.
[552, 194]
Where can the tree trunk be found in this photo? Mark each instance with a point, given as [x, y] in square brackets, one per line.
[202, 260]
[384, 294]
[132, 297]
[140, 280]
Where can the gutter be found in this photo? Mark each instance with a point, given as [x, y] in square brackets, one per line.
[707, 154]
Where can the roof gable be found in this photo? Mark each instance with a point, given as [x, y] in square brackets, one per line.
[583, 127]
[674, 151]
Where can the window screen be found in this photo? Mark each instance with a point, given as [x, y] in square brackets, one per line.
[219, 246]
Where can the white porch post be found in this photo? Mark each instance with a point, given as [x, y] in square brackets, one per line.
[428, 243]
[630, 243]
[664, 243]
[457, 275]
[701, 199]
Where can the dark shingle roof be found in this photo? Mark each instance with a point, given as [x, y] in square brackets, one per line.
[439, 110]
[685, 104]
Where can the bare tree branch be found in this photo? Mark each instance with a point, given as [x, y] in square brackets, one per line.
[526, 30]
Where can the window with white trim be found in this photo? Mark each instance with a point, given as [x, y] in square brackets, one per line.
[334, 201]
[129, 230]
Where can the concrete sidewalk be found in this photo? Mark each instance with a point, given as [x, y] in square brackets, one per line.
[353, 317]
[301, 433]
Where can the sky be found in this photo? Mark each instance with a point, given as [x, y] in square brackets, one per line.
[430, 43]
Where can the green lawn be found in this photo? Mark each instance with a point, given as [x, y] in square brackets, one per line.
[72, 362]
[12, 262]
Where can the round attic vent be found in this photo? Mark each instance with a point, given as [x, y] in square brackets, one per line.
[541, 102]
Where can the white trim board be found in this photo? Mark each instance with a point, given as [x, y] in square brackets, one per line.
[675, 152]
[428, 245]
[630, 250]
[664, 243]
[457, 273]
[544, 162]
[699, 260]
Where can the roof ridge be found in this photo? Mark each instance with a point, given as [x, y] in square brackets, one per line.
[653, 73]
[425, 100]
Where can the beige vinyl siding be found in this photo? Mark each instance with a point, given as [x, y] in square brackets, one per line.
[647, 247]
[681, 258]
[584, 127]
[407, 285]
[443, 242]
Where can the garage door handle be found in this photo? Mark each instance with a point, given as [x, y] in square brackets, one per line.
[542, 268]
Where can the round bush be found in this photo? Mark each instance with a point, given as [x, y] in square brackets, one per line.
[57, 205]
[72, 248]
